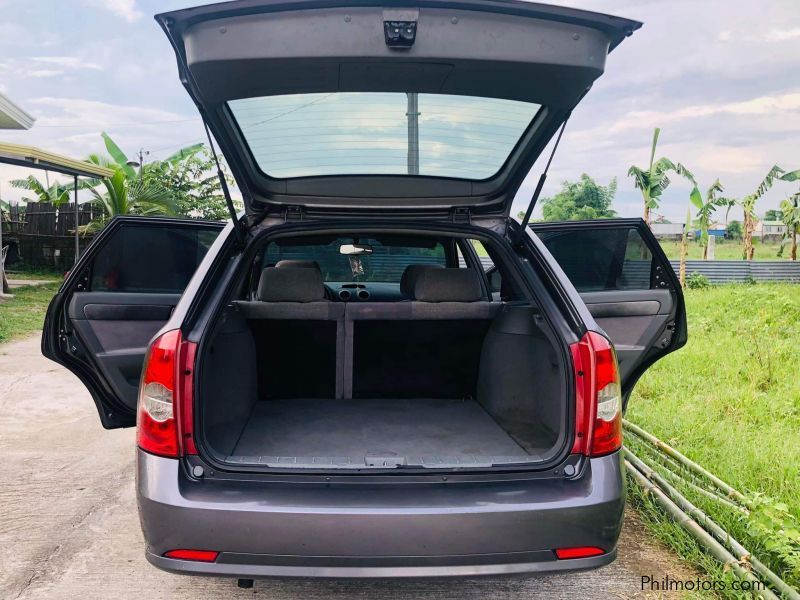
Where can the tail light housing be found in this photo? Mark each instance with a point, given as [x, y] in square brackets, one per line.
[598, 416]
[164, 415]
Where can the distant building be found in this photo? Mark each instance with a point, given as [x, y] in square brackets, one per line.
[667, 231]
[769, 230]
[715, 229]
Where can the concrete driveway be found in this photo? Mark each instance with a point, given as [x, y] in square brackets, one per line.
[69, 529]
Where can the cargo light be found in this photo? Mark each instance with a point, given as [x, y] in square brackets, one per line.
[164, 416]
[598, 394]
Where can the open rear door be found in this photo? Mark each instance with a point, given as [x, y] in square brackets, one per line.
[624, 278]
[117, 297]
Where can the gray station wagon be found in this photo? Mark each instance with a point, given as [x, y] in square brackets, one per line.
[373, 370]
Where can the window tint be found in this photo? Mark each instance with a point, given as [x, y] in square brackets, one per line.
[601, 259]
[355, 133]
[386, 263]
[151, 259]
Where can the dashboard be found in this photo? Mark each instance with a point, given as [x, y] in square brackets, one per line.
[370, 291]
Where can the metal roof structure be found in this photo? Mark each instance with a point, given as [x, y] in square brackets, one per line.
[36, 158]
[12, 116]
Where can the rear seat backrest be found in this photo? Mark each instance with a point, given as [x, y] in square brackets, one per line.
[429, 347]
[299, 332]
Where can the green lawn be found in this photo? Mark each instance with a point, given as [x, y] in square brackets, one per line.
[24, 313]
[725, 250]
[730, 400]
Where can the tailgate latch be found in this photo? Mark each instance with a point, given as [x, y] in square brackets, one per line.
[400, 27]
[400, 34]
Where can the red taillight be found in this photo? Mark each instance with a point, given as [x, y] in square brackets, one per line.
[579, 552]
[164, 422]
[598, 415]
[198, 555]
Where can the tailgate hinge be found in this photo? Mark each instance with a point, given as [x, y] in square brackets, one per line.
[461, 214]
[292, 213]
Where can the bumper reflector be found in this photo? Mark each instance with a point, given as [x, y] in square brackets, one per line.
[578, 552]
[198, 555]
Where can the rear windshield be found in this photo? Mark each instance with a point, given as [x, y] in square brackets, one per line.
[348, 133]
[385, 263]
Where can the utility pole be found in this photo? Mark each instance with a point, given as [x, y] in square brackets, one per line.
[412, 113]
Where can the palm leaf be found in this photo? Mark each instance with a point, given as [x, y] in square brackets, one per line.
[696, 198]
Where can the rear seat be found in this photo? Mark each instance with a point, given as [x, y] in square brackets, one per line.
[298, 332]
[429, 347]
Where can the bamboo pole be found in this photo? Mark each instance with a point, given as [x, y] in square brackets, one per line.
[744, 555]
[704, 538]
[675, 471]
[690, 464]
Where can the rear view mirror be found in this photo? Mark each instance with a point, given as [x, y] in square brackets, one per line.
[355, 249]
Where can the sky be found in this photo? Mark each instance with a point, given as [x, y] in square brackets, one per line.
[718, 76]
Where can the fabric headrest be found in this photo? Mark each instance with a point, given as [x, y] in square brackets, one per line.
[409, 278]
[297, 263]
[290, 284]
[448, 285]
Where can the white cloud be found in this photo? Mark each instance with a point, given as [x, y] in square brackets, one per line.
[69, 62]
[781, 35]
[122, 8]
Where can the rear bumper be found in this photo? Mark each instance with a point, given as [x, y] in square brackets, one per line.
[357, 530]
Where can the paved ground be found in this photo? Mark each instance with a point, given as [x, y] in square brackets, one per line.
[68, 524]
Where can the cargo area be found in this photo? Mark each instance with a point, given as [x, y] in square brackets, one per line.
[381, 385]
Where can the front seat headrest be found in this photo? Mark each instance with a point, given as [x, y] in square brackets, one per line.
[409, 278]
[297, 263]
[290, 284]
[448, 285]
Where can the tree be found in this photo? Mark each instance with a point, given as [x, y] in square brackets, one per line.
[653, 180]
[705, 210]
[790, 215]
[734, 230]
[193, 184]
[579, 200]
[119, 195]
[772, 215]
[748, 204]
[56, 194]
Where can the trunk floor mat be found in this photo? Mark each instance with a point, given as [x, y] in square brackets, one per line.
[374, 433]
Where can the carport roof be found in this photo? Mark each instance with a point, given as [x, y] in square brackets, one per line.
[12, 116]
[36, 158]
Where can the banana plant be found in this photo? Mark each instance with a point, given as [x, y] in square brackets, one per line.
[653, 180]
[790, 215]
[120, 195]
[706, 209]
[748, 204]
[121, 159]
[56, 194]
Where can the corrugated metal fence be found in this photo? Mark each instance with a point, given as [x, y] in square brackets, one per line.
[732, 271]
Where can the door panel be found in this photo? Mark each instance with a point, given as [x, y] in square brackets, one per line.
[628, 285]
[120, 294]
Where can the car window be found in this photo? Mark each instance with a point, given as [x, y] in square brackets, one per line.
[151, 259]
[601, 259]
[356, 133]
[385, 263]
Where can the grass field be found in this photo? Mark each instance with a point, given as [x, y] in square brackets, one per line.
[24, 313]
[725, 250]
[730, 400]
